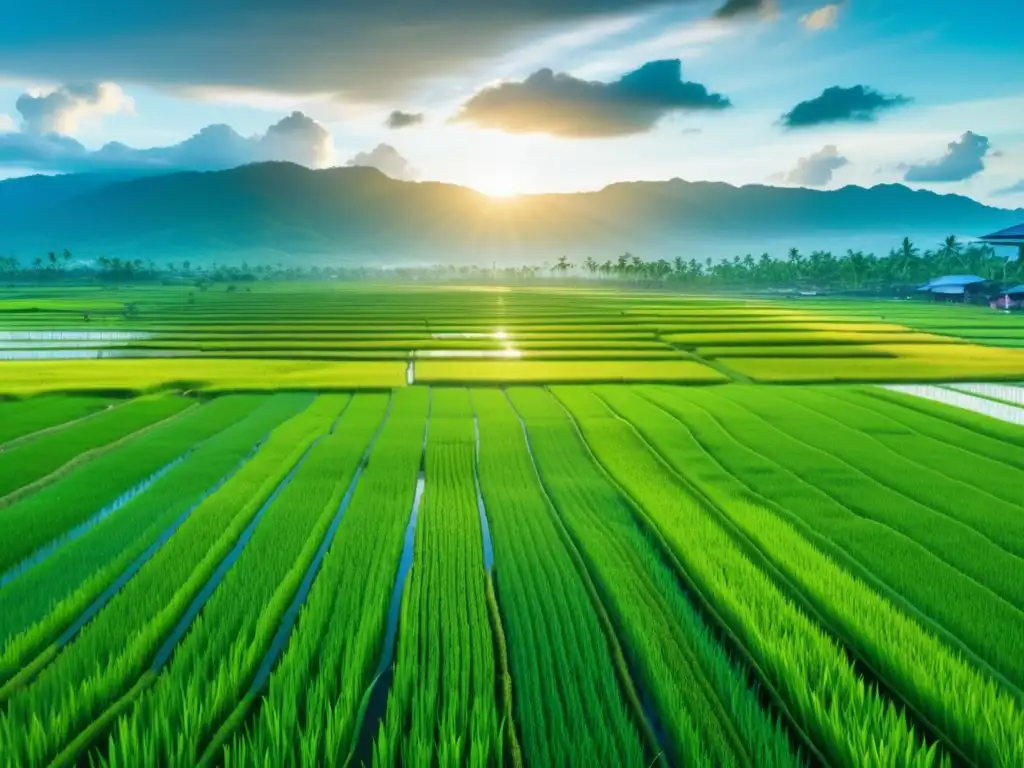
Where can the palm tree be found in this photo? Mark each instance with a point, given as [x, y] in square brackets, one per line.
[950, 250]
[906, 257]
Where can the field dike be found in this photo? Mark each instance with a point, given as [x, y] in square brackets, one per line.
[771, 698]
[647, 720]
[374, 703]
[504, 681]
[33, 668]
[931, 732]
[15, 442]
[83, 458]
[279, 642]
[74, 749]
[83, 528]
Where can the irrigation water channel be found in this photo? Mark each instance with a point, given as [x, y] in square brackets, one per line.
[83, 528]
[291, 615]
[34, 667]
[373, 706]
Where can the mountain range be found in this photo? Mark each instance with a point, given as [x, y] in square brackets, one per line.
[281, 212]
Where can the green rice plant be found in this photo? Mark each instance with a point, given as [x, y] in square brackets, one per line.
[24, 466]
[308, 713]
[709, 714]
[1008, 437]
[570, 705]
[973, 530]
[855, 515]
[21, 418]
[39, 604]
[174, 718]
[73, 699]
[849, 721]
[442, 705]
[984, 720]
[38, 519]
[992, 476]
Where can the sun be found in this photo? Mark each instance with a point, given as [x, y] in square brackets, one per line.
[502, 182]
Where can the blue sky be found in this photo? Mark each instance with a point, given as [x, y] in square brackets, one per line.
[250, 64]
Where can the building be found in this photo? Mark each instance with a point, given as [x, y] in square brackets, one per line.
[952, 287]
[1011, 236]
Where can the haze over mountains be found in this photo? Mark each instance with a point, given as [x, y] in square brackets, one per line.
[281, 212]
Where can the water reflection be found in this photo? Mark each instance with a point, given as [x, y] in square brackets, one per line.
[85, 336]
[86, 354]
[471, 354]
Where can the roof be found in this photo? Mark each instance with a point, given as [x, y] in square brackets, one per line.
[1009, 236]
[1015, 289]
[950, 290]
[951, 280]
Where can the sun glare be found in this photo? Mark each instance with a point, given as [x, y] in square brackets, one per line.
[502, 182]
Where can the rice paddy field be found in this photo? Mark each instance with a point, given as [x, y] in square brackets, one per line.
[356, 526]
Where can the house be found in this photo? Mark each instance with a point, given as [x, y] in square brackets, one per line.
[1011, 236]
[952, 287]
[1009, 298]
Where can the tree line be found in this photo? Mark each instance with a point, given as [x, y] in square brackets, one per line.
[904, 266]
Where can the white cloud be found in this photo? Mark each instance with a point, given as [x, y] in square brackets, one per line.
[821, 18]
[60, 110]
[387, 160]
[814, 170]
[6, 123]
[297, 138]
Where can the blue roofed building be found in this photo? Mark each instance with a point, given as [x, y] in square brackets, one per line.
[1009, 237]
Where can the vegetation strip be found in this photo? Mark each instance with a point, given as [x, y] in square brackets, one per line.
[33, 521]
[115, 649]
[768, 565]
[291, 615]
[915, 665]
[25, 420]
[442, 705]
[938, 513]
[821, 685]
[585, 646]
[309, 710]
[87, 525]
[31, 466]
[236, 628]
[376, 696]
[686, 670]
[888, 533]
[32, 669]
[38, 606]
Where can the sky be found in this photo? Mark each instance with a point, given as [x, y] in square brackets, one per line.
[521, 96]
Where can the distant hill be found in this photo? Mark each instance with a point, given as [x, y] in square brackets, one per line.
[283, 212]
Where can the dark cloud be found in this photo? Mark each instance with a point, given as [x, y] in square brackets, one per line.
[563, 105]
[732, 8]
[400, 119]
[356, 47]
[816, 169]
[297, 138]
[60, 110]
[387, 160]
[963, 159]
[1013, 189]
[857, 104]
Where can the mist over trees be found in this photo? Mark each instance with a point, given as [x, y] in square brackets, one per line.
[904, 265]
